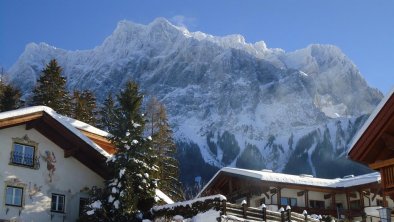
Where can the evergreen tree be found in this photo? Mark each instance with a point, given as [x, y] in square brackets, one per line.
[84, 106]
[106, 113]
[50, 89]
[132, 188]
[10, 98]
[164, 146]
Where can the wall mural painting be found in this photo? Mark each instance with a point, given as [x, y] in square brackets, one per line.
[50, 158]
[33, 190]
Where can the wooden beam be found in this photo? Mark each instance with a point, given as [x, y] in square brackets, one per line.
[18, 120]
[381, 164]
[70, 152]
[388, 140]
[327, 196]
[33, 124]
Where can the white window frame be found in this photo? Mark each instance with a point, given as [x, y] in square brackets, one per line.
[57, 203]
[14, 188]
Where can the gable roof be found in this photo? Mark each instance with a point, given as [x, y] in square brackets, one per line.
[363, 143]
[63, 131]
[303, 180]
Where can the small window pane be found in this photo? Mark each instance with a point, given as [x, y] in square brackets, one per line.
[284, 201]
[9, 194]
[18, 196]
[61, 203]
[28, 155]
[18, 153]
[293, 202]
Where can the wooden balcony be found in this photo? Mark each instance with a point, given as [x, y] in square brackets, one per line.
[333, 212]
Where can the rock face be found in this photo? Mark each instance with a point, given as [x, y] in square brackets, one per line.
[231, 103]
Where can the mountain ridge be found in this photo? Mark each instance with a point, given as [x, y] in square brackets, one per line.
[223, 95]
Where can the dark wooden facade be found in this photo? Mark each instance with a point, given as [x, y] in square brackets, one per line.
[375, 145]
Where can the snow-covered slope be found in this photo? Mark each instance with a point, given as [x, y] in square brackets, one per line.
[238, 103]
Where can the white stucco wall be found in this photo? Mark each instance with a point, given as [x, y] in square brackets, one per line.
[70, 178]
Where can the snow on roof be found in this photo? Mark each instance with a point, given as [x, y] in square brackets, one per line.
[370, 119]
[299, 179]
[84, 126]
[188, 202]
[163, 197]
[65, 121]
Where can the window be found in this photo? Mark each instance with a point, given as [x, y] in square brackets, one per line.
[14, 196]
[284, 201]
[82, 203]
[317, 204]
[355, 204]
[57, 203]
[23, 155]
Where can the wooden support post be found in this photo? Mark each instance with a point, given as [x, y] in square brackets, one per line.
[306, 199]
[282, 214]
[278, 195]
[230, 186]
[384, 200]
[305, 213]
[347, 201]
[361, 194]
[333, 202]
[264, 208]
[288, 211]
[244, 208]
[224, 204]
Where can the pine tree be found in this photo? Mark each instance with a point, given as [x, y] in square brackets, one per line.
[132, 189]
[106, 113]
[164, 146]
[10, 98]
[84, 106]
[50, 89]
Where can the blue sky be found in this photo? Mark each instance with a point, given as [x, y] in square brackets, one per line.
[363, 29]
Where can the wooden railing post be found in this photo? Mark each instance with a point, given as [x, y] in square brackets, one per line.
[282, 214]
[244, 206]
[305, 215]
[288, 211]
[264, 208]
[224, 207]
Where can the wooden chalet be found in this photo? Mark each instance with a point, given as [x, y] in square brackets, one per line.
[374, 144]
[344, 197]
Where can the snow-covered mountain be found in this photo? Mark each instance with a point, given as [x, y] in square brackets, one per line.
[231, 103]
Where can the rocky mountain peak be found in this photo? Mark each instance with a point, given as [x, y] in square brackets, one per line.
[225, 97]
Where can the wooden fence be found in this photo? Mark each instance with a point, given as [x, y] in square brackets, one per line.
[242, 211]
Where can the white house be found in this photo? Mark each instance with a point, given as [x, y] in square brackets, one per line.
[48, 163]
